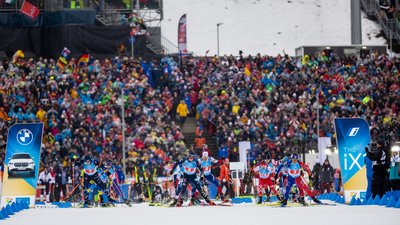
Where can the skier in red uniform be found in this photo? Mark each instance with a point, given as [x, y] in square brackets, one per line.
[266, 172]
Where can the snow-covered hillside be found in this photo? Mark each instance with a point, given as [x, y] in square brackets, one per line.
[266, 26]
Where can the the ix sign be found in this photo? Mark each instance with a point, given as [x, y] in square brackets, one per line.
[354, 161]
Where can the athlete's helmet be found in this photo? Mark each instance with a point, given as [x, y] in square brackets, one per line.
[263, 163]
[191, 155]
[295, 156]
[87, 159]
[96, 162]
[107, 164]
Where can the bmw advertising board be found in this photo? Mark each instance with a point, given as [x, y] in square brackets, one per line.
[22, 163]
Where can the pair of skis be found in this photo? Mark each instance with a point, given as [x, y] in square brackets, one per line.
[200, 203]
[293, 204]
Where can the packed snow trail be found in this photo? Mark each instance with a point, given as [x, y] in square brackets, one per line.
[199, 215]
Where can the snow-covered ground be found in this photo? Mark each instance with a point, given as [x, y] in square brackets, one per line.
[235, 215]
[265, 26]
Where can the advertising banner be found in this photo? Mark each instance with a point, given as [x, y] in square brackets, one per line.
[323, 143]
[352, 136]
[21, 164]
[182, 37]
[244, 148]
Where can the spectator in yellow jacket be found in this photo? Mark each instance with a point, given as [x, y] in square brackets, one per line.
[3, 114]
[182, 111]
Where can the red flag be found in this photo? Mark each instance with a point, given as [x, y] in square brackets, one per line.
[30, 10]
[84, 58]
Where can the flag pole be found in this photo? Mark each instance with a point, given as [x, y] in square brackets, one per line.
[132, 49]
[123, 130]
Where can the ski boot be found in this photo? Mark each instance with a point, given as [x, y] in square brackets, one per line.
[302, 201]
[284, 203]
[106, 205]
[316, 200]
[259, 200]
[173, 203]
[226, 199]
[198, 201]
[192, 201]
[128, 202]
[210, 202]
[180, 203]
[280, 197]
[86, 204]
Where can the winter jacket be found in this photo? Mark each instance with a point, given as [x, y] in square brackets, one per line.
[182, 110]
[224, 173]
[326, 174]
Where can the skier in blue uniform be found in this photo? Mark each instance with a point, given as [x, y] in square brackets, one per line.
[206, 163]
[95, 181]
[88, 174]
[283, 166]
[110, 170]
[294, 177]
[191, 168]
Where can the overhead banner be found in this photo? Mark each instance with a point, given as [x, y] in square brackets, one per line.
[21, 165]
[352, 136]
[182, 38]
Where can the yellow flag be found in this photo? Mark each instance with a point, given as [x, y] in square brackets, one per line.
[247, 70]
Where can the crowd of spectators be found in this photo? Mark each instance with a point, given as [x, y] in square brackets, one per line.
[81, 109]
[269, 101]
[272, 101]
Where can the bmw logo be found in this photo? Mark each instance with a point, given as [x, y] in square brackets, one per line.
[24, 137]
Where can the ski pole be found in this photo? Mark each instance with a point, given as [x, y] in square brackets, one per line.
[73, 190]
[119, 191]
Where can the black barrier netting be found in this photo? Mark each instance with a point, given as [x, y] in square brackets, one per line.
[48, 19]
[48, 42]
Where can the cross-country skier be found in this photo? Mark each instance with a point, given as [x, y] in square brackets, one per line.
[190, 169]
[294, 177]
[88, 173]
[94, 180]
[113, 184]
[177, 172]
[101, 179]
[266, 181]
[283, 166]
[206, 164]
